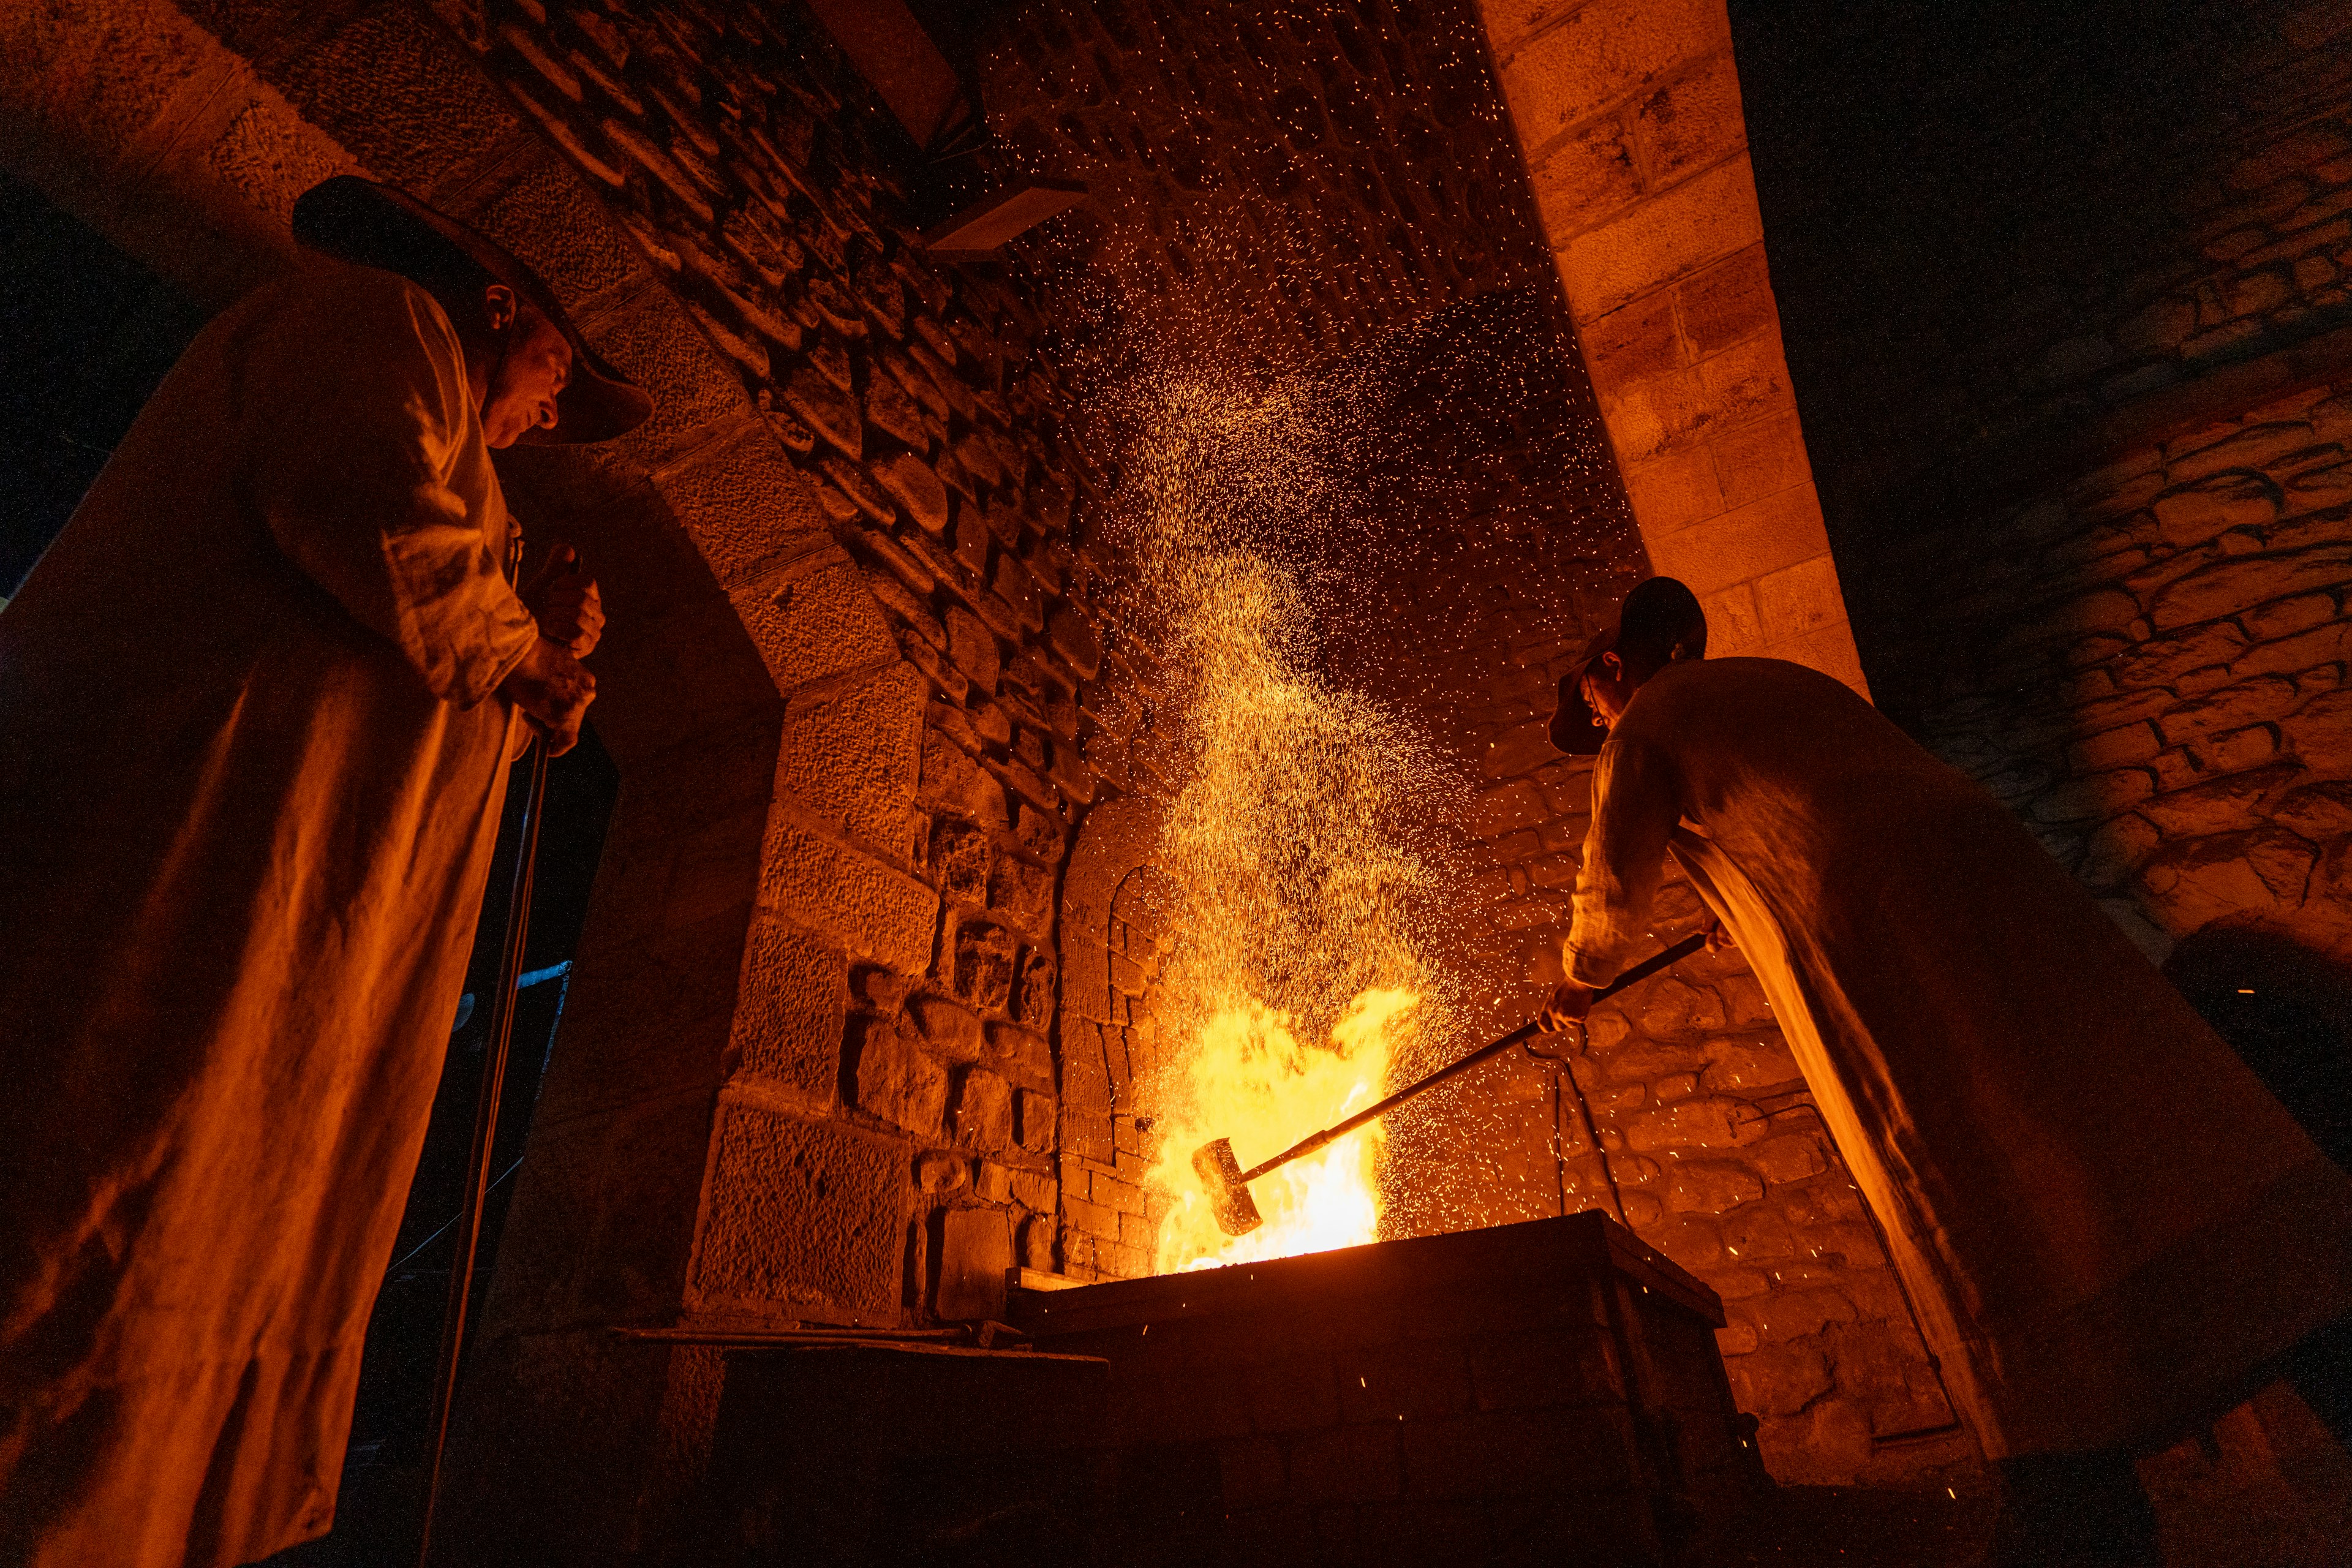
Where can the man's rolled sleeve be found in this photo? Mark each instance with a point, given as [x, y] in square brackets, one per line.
[1634, 811]
[362, 403]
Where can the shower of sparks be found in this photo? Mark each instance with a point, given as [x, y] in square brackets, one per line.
[1357, 489]
[1289, 843]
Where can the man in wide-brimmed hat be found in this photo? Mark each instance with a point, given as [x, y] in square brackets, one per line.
[2105, 1223]
[256, 707]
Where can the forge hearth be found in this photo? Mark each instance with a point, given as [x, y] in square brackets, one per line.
[1544, 1391]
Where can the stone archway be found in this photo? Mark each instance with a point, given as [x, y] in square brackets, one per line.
[818, 728]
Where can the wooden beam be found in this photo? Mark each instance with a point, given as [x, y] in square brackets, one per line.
[986, 225]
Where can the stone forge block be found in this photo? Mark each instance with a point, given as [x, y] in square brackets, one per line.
[1459, 1385]
[869, 1454]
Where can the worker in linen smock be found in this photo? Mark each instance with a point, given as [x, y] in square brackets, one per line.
[256, 705]
[2106, 1222]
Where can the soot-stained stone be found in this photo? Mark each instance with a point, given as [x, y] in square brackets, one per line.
[1037, 1121]
[954, 780]
[1075, 640]
[1042, 834]
[1004, 521]
[1020, 1054]
[1711, 1186]
[799, 1212]
[971, 541]
[913, 486]
[832, 361]
[801, 441]
[959, 860]
[889, 410]
[883, 296]
[980, 460]
[1038, 1242]
[1022, 891]
[953, 473]
[1014, 584]
[952, 386]
[973, 646]
[953, 1031]
[938, 1172]
[919, 388]
[824, 408]
[839, 310]
[983, 1113]
[1791, 1157]
[983, 964]
[862, 491]
[1036, 989]
[896, 1080]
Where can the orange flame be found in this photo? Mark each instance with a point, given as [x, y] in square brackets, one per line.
[1250, 1078]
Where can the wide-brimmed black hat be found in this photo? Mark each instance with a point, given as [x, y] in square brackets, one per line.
[1659, 620]
[373, 224]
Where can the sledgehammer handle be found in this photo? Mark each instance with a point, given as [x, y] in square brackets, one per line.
[1307, 1146]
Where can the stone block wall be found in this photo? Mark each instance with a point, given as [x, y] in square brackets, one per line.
[2092, 486]
[806, 1072]
[1629, 118]
[2166, 703]
[885, 1141]
[2110, 214]
[1288, 181]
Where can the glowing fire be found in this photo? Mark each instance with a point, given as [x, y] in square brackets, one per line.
[1251, 1080]
[1298, 975]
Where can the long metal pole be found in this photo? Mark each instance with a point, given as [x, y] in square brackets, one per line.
[486, 1127]
[1307, 1145]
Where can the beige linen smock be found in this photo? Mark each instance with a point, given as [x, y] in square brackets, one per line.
[250, 774]
[2106, 1221]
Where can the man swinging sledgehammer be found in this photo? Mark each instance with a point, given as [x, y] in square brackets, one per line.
[2106, 1224]
[256, 707]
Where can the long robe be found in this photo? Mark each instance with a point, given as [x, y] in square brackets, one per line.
[2105, 1220]
[250, 773]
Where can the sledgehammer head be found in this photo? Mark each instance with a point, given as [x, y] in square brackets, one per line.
[1220, 1175]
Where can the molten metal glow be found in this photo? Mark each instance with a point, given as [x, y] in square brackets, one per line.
[1249, 1079]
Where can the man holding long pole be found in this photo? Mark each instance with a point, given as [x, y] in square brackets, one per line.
[2108, 1227]
[255, 709]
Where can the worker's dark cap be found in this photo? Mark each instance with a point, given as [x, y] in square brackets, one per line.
[1660, 620]
[373, 224]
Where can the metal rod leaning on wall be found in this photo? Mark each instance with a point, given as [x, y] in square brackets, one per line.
[486, 1114]
[486, 1127]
